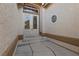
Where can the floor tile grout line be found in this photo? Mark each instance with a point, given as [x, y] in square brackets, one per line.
[31, 49]
[51, 50]
[65, 47]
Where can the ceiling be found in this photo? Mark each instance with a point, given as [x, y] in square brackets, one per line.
[32, 5]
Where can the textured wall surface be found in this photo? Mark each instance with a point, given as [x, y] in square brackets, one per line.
[10, 25]
[42, 17]
[67, 23]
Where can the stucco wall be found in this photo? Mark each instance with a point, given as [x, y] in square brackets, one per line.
[67, 23]
[10, 25]
[42, 19]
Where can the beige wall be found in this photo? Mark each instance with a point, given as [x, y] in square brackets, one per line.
[42, 19]
[67, 23]
[10, 25]
[21, 21]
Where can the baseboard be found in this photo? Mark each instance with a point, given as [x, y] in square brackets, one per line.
[67, 42]
[20, 37]
[10, 50]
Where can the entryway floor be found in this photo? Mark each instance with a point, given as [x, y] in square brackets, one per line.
[40, 46]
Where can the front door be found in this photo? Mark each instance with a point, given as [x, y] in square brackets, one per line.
[31, 25]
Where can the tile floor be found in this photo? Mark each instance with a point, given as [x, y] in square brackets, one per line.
[40, 46]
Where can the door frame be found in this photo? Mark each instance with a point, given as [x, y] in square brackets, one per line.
[31, 23]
